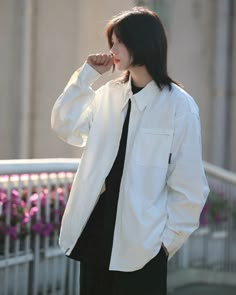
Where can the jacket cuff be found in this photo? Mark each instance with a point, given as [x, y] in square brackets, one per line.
[86, 75]
[171, 241]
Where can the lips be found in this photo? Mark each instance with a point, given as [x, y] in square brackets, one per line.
[116, 60]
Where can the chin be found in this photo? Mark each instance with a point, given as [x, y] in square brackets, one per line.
[121, 68]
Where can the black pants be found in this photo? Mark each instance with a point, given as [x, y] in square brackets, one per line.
[150, 280]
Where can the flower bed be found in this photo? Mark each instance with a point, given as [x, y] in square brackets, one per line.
[39, 213]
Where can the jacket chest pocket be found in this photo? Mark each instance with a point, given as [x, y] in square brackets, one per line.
[153, 147]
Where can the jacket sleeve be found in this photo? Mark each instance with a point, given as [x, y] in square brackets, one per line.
[73, 111]
[186, 182]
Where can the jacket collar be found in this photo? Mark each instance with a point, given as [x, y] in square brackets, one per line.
[144, 97]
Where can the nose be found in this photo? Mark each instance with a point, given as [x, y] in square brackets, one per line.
[113, 50]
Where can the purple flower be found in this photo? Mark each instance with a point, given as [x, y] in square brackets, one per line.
[11, 231]
[26, 218]
[60, 191]
[34, 199]
[46, 230]
[22, 204]
[62, 201]
[37, 227]
[33, 212]
[3, 195]
[14, 195]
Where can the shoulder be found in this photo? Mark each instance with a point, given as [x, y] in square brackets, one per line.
[111, 85]
[184, 102]
[115, 84]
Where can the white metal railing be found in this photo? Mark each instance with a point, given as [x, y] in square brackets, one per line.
[33, 194]
[220, 173]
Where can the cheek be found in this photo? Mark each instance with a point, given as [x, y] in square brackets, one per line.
[128, 57]
[125, 52]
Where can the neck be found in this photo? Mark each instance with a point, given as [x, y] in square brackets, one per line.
[140, 76]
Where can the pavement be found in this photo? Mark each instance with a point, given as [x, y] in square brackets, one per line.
[203, 290]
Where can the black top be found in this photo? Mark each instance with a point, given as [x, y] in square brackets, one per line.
[95, 243]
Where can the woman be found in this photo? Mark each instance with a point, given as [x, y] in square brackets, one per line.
[140, 187]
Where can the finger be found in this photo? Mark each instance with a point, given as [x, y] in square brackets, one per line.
[92, 59]
[95, 59]
[108, 59]
[106, 62]
[103, 59]
[98, 59]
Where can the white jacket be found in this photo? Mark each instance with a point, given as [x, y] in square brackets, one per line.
[163, 187]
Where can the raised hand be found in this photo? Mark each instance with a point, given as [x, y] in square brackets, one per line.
[100, 62]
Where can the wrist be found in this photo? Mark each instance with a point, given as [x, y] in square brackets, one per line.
[98, 69]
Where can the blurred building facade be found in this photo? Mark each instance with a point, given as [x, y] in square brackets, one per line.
[43, 42]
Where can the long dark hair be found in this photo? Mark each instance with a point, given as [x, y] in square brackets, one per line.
[143, 33]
